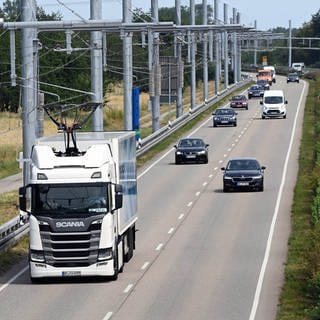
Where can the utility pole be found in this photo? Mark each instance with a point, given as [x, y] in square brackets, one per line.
[155, 69]
[179, 110]
[255, 45]
[217, 49]
[238, 45]
[29, 44]
[127, 66]
[193, 56]
[226, 54]
[96, 66]
[290, 45]
[234, 47]
[205, 51]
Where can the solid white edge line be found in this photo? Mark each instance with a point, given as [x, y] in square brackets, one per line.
[145, 265]
[14, 278]
[181, 216]
[170, 230]
[274, 218]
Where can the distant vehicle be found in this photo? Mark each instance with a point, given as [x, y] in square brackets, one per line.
[264, 83]
[273, 104]
[239, 101]
[243, 173]
[293, 77]
[224, 116]
[273, 71]
[191, 150]
[298, 66]
[265, 75]
[255, 91]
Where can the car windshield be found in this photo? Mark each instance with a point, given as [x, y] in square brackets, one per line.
[62, 199]
[236, 98]
[191, 143]
[220, 112]
[243, 164]
[273, 100]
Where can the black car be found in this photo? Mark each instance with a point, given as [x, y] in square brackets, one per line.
[255, 91]
[293, 77]
[191, 150]
[224, 116]
[244, 174]
[263, 83]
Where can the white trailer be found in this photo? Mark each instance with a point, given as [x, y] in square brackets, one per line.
[83, 204]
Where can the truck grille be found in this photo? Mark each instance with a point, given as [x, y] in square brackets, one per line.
[70, 249]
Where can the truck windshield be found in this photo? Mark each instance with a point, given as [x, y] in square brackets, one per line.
[57, 199]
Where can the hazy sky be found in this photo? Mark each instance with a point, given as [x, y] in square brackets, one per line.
[268, 14]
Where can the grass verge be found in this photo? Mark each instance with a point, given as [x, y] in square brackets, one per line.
[300, 294]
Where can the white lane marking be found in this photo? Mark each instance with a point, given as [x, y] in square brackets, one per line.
[189, 204]
[216, 168]
[229, 149]
[158, 248]
[170, 230]
[128, 288]
[14, 278]
[181, 216]
[204, 184]
[220, 161]
[108, 316]
[274, 218]
[225, 155]
[145, 265]
[197, 194]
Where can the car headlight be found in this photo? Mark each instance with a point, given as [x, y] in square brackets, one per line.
[179, 153]
[227, 178]
[202, 152]
[257, 177]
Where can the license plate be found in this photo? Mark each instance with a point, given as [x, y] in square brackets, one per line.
[71, 273]
[224, 121]
[191, 157]
[243, 184]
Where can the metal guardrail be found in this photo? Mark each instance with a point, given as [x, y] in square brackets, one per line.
[13, 230]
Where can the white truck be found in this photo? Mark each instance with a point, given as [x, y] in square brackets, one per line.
[83, 204]
[273, 71]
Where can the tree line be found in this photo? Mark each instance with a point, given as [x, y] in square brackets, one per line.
[59, 71]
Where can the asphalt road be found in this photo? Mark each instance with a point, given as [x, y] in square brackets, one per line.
[201, 253]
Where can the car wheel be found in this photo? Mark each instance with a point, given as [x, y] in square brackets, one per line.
[247, 108]
[285, 116]
[225, 189]
[178, 161]
[263, 117]
[214, 124]
[249, 97]
[261, 188]
[235, 124]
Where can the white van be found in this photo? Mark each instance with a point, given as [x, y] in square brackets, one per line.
[273, 104]
[273, 71]
[298, 66]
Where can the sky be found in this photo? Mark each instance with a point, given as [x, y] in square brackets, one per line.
[268, 14]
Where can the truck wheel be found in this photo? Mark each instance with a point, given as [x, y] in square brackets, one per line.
[130, 244]
[115, 266]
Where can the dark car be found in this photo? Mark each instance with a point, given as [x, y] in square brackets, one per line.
[255, 91]
[244, 174]
[224, 116]
[293, 77]
[263, 83]
[239, 101]
[191, 150]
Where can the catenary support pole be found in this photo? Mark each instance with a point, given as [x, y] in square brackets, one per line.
[96, 66]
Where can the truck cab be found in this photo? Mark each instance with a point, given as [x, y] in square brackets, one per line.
[265, 75]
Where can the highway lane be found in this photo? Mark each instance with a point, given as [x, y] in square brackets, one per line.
[199, 251]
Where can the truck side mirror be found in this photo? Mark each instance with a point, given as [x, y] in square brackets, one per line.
[118, 196]
[22, 199]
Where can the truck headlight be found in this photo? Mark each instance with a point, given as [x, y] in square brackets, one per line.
[105, 254]
[37, 256]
